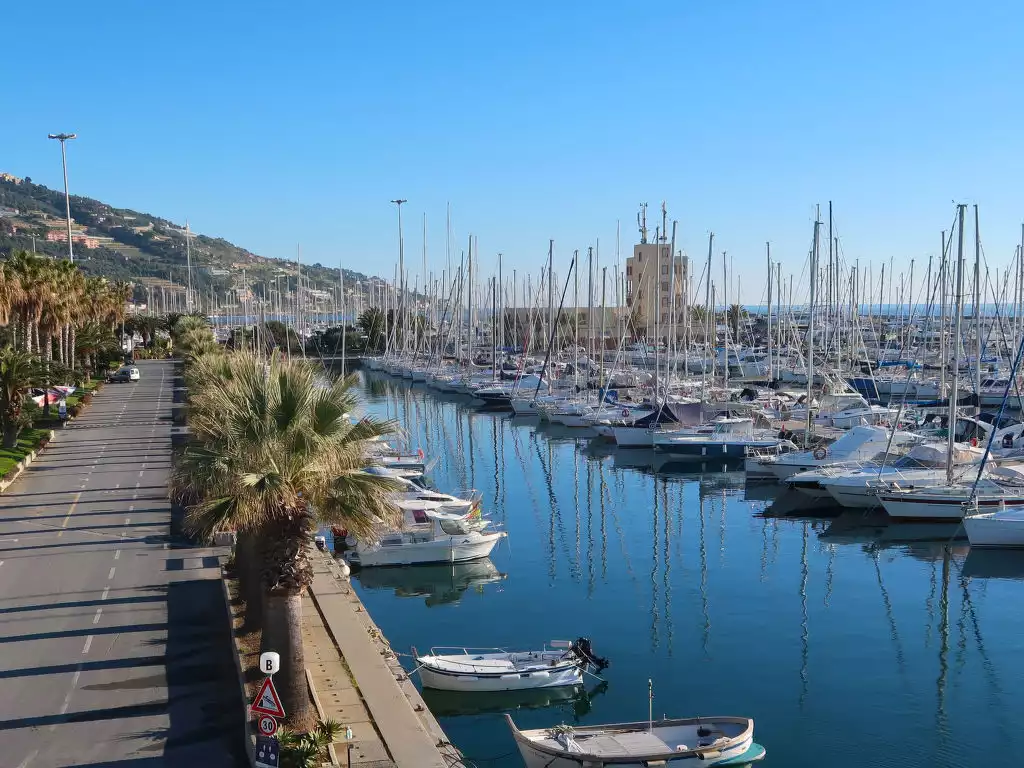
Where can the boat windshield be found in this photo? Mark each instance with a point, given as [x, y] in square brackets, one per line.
[909, 462]
[453, 527]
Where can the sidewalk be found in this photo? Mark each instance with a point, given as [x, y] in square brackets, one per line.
[361, 684]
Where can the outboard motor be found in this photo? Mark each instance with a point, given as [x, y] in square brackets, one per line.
[585, 651]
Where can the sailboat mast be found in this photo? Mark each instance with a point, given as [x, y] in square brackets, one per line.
[957, 321]
[977, 306]
[810, 331]
[471, 327]
[768, 253]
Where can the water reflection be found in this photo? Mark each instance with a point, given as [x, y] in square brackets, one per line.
[575, 700]
[994, 564]
[440, 584]
[664, 562]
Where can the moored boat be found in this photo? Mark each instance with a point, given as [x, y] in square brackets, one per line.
[496, 669]
[673, 743]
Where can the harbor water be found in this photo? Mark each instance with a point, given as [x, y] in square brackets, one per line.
[850, 642]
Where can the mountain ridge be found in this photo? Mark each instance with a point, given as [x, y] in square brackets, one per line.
[125, 244]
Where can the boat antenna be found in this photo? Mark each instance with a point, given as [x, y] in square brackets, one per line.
[650, 706]
[641, 222]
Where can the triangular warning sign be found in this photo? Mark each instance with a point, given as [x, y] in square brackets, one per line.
[267, 701]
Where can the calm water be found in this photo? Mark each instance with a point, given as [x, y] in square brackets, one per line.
[850, 644]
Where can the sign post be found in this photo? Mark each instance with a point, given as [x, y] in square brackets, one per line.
[267, 707]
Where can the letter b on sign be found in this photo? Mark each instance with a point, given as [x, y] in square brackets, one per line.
[270, 663]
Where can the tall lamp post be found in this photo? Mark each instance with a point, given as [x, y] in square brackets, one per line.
[62, 138]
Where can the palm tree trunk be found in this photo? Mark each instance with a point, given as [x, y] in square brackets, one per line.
[47, 346]
[249, 563]
[282, 632]
[286, 574]
[71, 346]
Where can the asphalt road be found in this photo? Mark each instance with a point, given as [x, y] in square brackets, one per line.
[114, 648]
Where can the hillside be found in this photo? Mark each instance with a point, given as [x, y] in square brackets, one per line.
[123, 244]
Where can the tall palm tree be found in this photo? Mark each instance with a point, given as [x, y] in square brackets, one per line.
[35, 276]
[275, 454]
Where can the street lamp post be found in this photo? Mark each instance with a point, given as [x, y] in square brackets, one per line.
[63, 137]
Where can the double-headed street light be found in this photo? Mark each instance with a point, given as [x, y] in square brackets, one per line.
[63, 137]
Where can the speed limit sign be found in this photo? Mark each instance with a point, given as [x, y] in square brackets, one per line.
[267, 725]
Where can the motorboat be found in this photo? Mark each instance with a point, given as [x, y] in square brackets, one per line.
[862, 443]
[562, 662]
[428, 535]
[673, 743]
[730, 439]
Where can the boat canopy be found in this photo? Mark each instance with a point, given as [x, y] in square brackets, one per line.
[685, 414]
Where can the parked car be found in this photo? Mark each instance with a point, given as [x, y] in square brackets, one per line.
[125, 373]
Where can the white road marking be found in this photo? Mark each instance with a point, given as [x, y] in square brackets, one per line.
[14, 540]
[117, 555]
[67, 699]
[88, 642]
[24, 763]
[96, 618]
[111, 574]
[128, 520]
[106, 591]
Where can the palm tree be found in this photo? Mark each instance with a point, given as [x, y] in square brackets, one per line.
[34, 274]
[93, 339]
[274, 454]
[19, 370]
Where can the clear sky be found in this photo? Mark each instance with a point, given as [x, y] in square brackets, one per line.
[272, 124]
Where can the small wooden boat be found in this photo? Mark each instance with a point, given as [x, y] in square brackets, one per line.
[495, 669]
[672, 743]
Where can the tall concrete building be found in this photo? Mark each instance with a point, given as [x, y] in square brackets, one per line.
[648, 278]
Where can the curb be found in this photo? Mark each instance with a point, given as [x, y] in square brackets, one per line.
[7, 482]
[250, 739]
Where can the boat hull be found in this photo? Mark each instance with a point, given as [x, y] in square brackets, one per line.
[1004, 528]
[671, 743]
[515, 681]
[470, 547]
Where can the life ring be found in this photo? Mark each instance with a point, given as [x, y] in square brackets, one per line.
[625, 412]
[974, 442]
[820, 453]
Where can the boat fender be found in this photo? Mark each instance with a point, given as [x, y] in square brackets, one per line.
[974, 442]
[820, 453]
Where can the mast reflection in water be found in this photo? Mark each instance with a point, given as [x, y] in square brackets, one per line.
[850, 641]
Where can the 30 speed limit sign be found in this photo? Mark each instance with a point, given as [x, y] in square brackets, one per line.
[267, 725]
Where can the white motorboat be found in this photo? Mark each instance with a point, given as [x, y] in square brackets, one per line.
[862, 443]
[1000, 527]
[495, 669]
[694, 741]
[730, 439]
[429, 536]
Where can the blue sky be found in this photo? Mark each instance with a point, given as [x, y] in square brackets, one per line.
[272, 124]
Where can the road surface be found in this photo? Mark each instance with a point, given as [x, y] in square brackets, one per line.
[113, 640]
